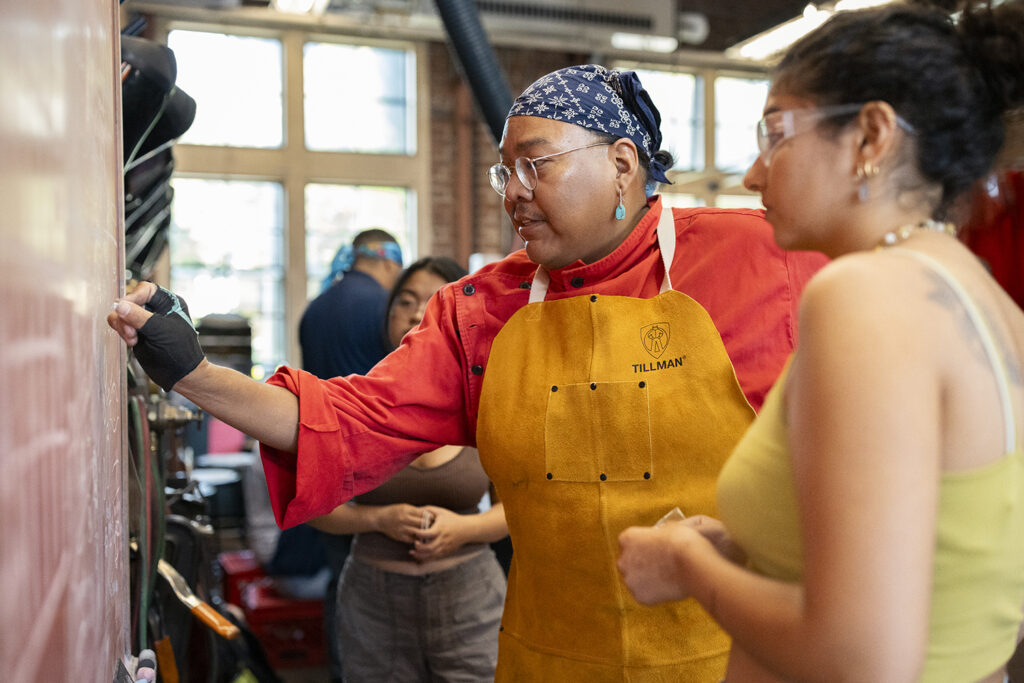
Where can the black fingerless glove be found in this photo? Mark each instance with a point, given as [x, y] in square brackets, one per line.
[168, 347]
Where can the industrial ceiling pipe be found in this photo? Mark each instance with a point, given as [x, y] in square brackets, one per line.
[478, 61]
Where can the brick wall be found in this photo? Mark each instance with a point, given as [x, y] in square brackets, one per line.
[490, 229]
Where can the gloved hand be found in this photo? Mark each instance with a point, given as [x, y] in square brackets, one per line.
[168, 346]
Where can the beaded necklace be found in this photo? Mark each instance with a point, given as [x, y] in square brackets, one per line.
[904, 231]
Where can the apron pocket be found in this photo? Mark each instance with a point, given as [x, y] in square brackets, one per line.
[598, 431]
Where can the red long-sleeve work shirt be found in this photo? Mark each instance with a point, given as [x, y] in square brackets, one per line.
[356, 431]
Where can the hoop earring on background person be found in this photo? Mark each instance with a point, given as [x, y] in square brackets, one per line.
[865, 172]
[620, 210]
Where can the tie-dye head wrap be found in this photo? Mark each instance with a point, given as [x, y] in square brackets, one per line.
[346, 256]
[591, 96]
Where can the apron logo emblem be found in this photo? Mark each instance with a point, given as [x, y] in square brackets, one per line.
[655, 338]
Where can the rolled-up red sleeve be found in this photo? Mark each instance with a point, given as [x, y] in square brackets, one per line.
[355, 432]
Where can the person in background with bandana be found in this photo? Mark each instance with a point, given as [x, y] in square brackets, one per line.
[604, 373]
[340, 331]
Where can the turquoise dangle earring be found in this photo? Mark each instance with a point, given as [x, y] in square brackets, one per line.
[620, 210]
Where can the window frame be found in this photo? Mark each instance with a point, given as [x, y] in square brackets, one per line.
[263, 35]
[294, 166]
[709, 182]
[414, 78]
[751, 141]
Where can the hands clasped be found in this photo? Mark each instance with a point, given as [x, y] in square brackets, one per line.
[434, 532]
[447, 533]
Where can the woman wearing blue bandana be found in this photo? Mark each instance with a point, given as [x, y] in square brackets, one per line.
[604, 372]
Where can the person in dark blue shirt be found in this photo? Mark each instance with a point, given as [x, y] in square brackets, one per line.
[341, 331]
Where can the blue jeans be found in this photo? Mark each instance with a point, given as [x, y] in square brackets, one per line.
[436, 627]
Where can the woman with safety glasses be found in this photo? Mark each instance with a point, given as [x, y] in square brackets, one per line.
[604, 372]
[873, 516]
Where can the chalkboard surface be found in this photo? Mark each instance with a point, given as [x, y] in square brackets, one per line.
[63, 577]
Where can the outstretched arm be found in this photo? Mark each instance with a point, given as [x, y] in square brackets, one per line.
[322, 441]
[268, 413]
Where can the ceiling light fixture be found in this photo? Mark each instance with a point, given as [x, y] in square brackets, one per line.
[301, 6]
[773, 41]
[844, 5]
[644, 43]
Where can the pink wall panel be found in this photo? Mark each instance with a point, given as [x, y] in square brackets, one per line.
[63, 575]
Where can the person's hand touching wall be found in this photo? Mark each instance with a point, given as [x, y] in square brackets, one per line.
[157, 324]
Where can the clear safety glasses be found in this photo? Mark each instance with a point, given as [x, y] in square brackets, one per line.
[778, 126]
[526, 169]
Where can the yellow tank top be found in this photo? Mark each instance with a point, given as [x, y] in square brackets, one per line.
[978, 574]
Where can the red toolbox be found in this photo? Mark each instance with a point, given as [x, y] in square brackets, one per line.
[240, 568]
[290, 631]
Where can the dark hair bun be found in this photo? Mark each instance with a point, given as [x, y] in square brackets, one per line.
[664, 158]
[994, 39]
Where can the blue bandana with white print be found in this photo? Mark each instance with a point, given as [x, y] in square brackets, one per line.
[596, 98]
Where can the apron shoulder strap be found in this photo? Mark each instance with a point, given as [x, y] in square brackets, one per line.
[666, 245]
[539, 287]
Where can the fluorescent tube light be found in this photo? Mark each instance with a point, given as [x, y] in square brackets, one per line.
[645, 43]
[774, 40]
[301, 6]
[844, 5]
[768, 44]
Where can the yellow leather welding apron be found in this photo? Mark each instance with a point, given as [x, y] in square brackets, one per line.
[598, 413]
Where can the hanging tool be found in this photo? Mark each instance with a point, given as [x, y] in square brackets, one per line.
[199, 609]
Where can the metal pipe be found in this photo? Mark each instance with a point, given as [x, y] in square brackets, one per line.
[463, 186]
[479, 63]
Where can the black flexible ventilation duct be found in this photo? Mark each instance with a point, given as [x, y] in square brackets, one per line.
[478, 62]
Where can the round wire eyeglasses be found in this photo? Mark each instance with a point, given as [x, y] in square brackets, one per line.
[526, 169]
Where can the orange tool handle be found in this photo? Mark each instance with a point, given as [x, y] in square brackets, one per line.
[215, 620]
